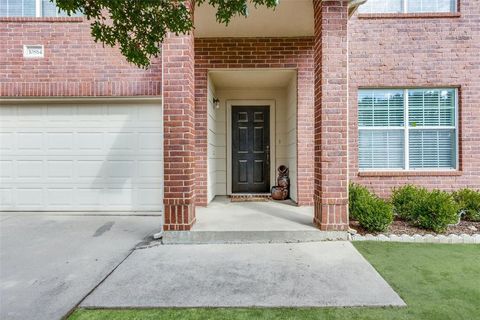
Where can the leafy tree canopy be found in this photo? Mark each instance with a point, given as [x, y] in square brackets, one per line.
[138, 27]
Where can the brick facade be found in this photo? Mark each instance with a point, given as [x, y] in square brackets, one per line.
[238, 53]
[74, 65]
[412, 50]
[331, 115]
[179, 132]
[433, 50]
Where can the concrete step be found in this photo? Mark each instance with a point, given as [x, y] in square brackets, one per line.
[244, 237]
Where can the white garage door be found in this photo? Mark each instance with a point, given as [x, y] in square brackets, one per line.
[78, 156]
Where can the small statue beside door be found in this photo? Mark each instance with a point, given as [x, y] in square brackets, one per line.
[281, 190]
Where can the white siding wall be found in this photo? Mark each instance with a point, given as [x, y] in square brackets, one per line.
[221, 151]
[213, 134]
[291, 136]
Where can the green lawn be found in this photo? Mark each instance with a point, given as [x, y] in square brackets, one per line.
[436, 281]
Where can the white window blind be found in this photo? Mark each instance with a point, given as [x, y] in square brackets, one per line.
[432, 149]
[432, 128]
[382, 6]
[408, 6]
[49, 9]
[411, 129]
[382, 149]
[431, 5]
[17, 8]
[431, 107]
[381, 121]
[381, 108]
[31, 8]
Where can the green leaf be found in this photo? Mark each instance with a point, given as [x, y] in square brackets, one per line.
[139, 27]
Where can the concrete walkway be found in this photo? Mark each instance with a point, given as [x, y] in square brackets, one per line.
[48, 263]
[315, 274]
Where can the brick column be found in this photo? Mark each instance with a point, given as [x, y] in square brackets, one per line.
[331, 114]
[179, 132]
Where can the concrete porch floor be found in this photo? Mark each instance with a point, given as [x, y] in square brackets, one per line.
[224, 215]
[224, 221]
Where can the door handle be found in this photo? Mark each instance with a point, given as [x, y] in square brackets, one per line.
[268, 155]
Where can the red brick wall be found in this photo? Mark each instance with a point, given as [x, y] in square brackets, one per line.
[297, 53]
[331, 115]
[384, 52]
[74, 65]
[420, 52]
[179, 132]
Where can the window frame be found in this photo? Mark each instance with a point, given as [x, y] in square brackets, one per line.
[405, 10]
[406, 132]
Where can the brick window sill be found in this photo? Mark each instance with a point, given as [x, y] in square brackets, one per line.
[41, 19]
[410, 174]
[433, 15]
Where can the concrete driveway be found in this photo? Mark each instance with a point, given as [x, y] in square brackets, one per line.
[49, 263]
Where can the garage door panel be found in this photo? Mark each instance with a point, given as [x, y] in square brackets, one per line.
[151, 114]
[60, 169]
[120, 169]
[150, 169]
[59, 154]
[150, 141]
[30, 113]
[30, 169]
[118, 198]
[89, 169]
[7, 113]
[81, 157]
[6, 169]
[30, 197]
[6, 198]
[60, 197]
[59, 141]
[150, 197]
[83, 170]
[6, 141]
[60, 112]
[121, 141]
[90, 114]
[29, 141]
[89, 141]
[124, 112]
[89, 197]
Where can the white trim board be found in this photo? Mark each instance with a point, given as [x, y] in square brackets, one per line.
[252, 103]
[80, 99]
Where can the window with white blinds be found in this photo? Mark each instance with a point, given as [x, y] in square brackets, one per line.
[17, 8]
[411, 129]
[382, 6]
[408, 6]
[31, 8]
[381, 119]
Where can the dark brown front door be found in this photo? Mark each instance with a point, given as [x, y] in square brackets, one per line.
[250, 149]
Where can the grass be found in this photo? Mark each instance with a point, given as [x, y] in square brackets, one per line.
[436, 281]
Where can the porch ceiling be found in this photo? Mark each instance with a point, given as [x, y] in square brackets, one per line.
[291, 18]
[251, 78]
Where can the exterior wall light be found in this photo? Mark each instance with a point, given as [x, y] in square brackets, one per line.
[216, 103]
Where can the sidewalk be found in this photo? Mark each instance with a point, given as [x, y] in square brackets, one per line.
[315, 274]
